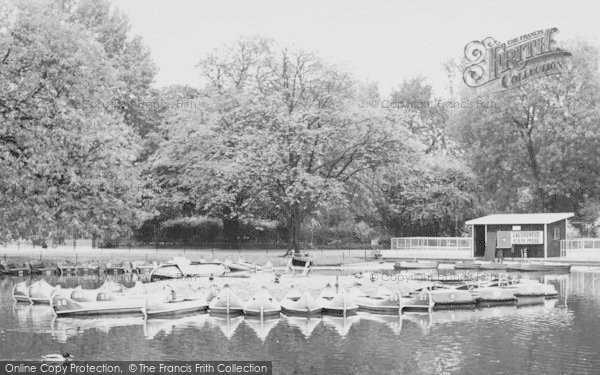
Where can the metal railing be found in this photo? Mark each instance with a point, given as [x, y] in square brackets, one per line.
[438, 243]
[430, 247]
[580, 247]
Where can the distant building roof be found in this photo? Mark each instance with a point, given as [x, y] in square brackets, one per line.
[545, 218]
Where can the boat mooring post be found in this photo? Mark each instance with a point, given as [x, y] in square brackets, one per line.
[431, 303]
[262, 310]
[399, 303]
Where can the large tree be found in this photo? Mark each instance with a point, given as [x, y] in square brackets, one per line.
[66, 163]
[283, 135]
[537, 147]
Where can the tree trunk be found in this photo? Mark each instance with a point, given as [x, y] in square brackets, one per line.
[231, 230]
[294, 228]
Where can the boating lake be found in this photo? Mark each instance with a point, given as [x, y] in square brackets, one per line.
[559, 337]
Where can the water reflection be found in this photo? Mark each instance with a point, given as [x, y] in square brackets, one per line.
[165, 326]
[261, 327]
[65, 328]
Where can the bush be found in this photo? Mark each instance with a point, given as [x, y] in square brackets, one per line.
[190, 229]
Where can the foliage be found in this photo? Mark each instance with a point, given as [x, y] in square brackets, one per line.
[66, 166]
[537, 148]
[433, 198]
[282, 135]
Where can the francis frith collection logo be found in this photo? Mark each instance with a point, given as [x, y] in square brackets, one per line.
[508, 65]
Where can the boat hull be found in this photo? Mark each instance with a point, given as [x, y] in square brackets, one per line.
[21, 292]
[265, 313]
[415, 265]
[63, 306]
[291, 311]
[175, 308]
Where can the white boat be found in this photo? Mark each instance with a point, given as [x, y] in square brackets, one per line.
[91, 295]
[487, 294]
[180, 267]
[445, 297]
[41, 292]
[226, 303]
[170, 303]
[262, 305]
[300, 304]
[336, 303]
[382, 301]
[63, 306]
[20, 292]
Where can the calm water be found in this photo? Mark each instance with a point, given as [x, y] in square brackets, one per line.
[560, 337]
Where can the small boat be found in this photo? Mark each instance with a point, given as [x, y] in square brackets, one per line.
[487, 295]
[112, 292]
[383, 301]
[544, 267]
[452, 279]
[88, 268]
[20, 292]
[467, 266]
[39, 268]
[445, 297]
[491, 266]
[14, 269]
[336, 303]
[92, 295]
[240, 266]
[170, 303]
[534, 287]
[405, 265]
[116, 268]
[67, 268]
[262, 305]
[63, 306]
[141, 268]
[182, 267]
[41, 292]
[526, 292]
[300, 304]
[226, 303]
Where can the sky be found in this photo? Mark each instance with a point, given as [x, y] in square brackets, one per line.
[382, 41]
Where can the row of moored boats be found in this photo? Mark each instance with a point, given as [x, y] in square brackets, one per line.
[189, 296]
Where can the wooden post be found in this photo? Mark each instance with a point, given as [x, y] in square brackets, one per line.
[399, 303]
[545, 240]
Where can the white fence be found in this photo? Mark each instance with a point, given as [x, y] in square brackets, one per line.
[581, 248]
[430, 248]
